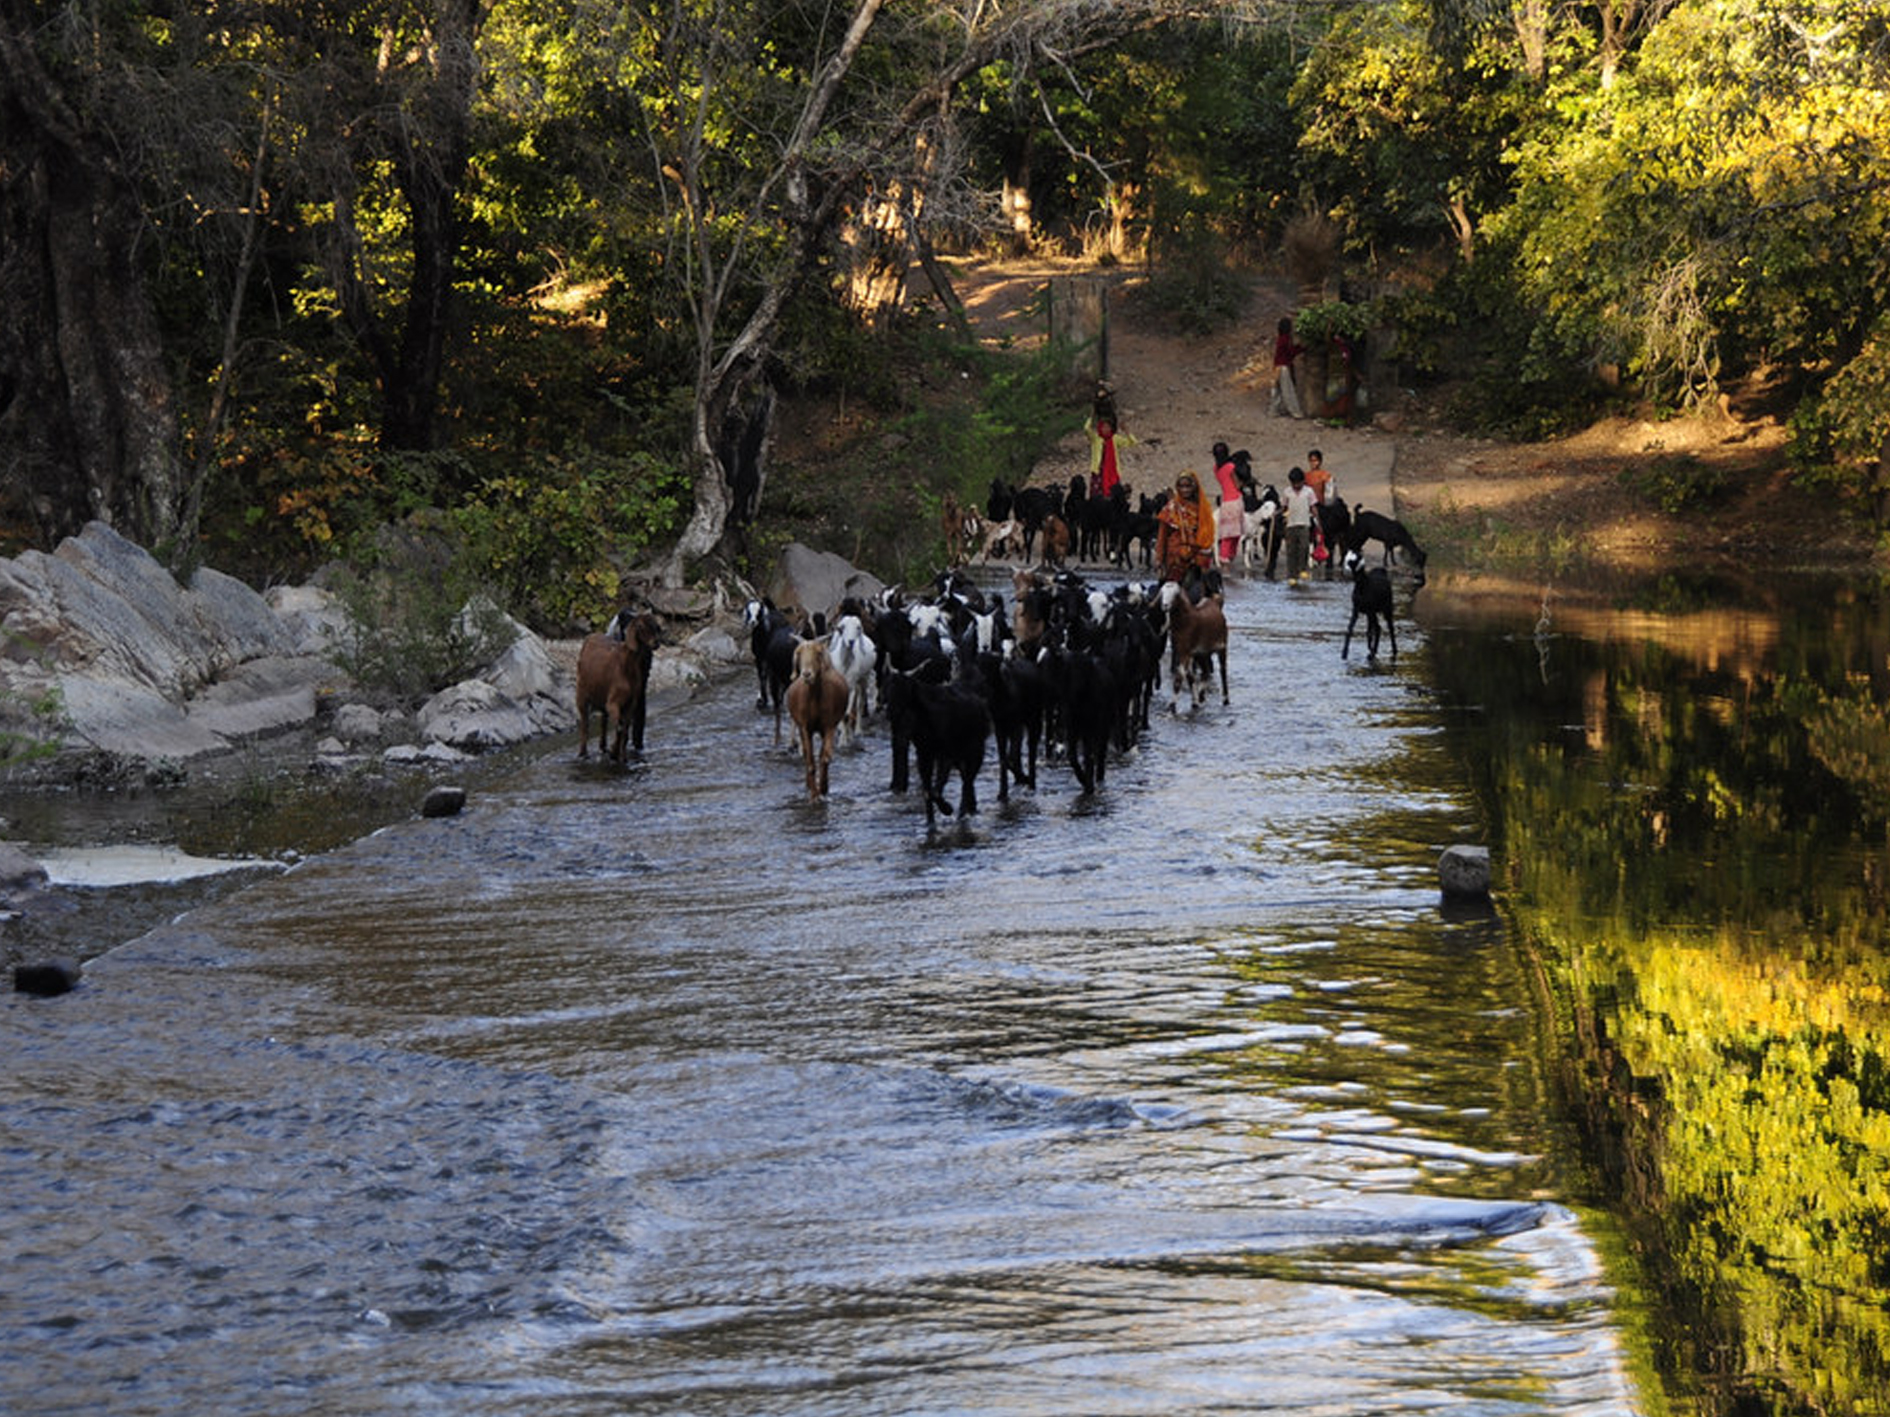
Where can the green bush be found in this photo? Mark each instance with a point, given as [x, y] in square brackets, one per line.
[1191, 278]
[419, 619]
[31, 724]
[1318, 323]
[1677, 483]
[549, 540]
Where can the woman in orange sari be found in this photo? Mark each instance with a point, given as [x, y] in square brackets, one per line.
[1184, 535]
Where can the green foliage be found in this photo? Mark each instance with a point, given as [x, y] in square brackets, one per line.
[1675, 483]
[549, 540]
[1317, 324]
[1510, 370]
[874, 499]
[1191, 278]
[419, 617]
[1839, 437]
[32, 721]
[1402, 142]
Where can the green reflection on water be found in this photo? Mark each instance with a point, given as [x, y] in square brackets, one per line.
[1688, 811]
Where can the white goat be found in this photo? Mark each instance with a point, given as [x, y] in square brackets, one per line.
[852, 652]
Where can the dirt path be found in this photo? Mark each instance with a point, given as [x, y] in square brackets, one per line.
[1584, 506]
[1178, 394]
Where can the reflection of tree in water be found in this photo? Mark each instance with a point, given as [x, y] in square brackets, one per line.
[1694, 841]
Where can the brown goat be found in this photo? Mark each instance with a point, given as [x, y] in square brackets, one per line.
[1056, 540]
[1197, 636]
[613, 677]
[817, 702]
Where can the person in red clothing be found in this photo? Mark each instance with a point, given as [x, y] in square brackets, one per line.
[1184, 536]
[1105, 469]
[1285, 393]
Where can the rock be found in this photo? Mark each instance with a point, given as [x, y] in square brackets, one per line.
[47, 978]
[524, 695]
[679, 603]
[1464, 872]
[140, 666]
[817, 581]
[260, 696]
[718, 646]
[413, 755]
[311, 617]
[358, 723]
[676, 671]
[20, 874]
[443, 802]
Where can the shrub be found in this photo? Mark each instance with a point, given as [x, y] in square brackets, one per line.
[1318, 323]
[549, 540]
[1310, 245]
[1675, 483]
[1191, 278]
[32, 723]
[418, 618]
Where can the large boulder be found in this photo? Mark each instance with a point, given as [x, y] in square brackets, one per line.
[311, 616]
[817, 581]
[137, 664]
[102, 649]
[525, 694]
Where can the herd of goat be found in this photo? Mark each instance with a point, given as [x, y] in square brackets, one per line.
[957, 670]
[1066, 666]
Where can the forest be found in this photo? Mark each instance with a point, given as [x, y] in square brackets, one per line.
[534, 276]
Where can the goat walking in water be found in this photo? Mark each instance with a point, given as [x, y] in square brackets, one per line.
[1371, 597]
[817, 702]
[853, 653]
[613, 680]
[1197, 636]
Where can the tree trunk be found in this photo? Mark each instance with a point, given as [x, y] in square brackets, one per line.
[425, 129]
[86, 404]
[1017, 195]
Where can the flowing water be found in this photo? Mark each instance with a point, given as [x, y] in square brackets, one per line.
[667, 1091]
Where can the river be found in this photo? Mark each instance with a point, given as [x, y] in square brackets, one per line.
[666, 1091]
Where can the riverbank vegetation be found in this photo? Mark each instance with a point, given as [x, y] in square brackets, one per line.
[546, 272]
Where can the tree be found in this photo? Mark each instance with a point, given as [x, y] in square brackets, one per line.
[381, 102]
[85, 392]
[771, 129]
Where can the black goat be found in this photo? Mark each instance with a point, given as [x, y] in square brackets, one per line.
[1335, 525]
[1012, 688]
[1088, 705]
[948, 726]
[905, 653]
[1033, 506]
[1375, 526]
[1101, 530]
[1371, 597]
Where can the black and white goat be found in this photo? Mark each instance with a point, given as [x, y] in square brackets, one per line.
[1259, 541]
[772, 640]
[1371, 597]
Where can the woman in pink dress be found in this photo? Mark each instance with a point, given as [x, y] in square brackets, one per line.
[1230, 517]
